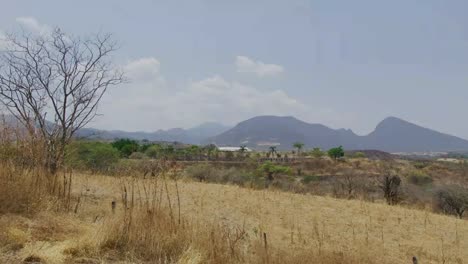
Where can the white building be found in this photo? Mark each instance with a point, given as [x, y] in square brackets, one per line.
[233, 149]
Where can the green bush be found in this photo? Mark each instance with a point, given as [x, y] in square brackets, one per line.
[126, 146]
[419, 178]
[420, 165]
[336, 153]
[270, 170]
[359, 155]
[310, 178]
[317, 153]
[153, 151]
[137, 155]
[95, 156]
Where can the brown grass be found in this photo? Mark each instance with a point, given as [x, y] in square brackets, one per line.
[218, 224]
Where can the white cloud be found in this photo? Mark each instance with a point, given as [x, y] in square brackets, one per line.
[246, 65]
[149, 103]
[143, 70]
[31, 24]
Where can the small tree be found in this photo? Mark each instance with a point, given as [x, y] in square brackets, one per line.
[336, 153]
[347, 183]
[298, 146]
[317, 153]
[271, 170]
[272, 151]
[452, 200]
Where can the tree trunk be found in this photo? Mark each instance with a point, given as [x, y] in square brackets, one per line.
[270, 176]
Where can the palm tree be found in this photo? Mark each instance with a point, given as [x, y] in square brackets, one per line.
[272, 151]
[299, 146]
[242, 149]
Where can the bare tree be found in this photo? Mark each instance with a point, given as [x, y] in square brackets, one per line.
[390, 186]
[452, 200]
[53, 84]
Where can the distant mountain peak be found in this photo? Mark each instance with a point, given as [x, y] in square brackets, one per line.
[391, 134]
[392, 122]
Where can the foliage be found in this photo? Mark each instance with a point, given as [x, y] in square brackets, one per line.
[91, 155]
[137, 155]
[359, 155]
[317, 153]
[201, 171]
[271, 169]
[272, 151]
[420, 165]
[310, 178]
[298, 146]
[144, 147]
[126, 146]
[153, 151]
[418, 177]
[336, 153]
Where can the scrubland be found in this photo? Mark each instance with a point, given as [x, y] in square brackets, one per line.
[170, 218]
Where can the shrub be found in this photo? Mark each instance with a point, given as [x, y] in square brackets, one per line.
[271, 170]
[126, 146]
[336, 153]
[359, 155]
[310, 178]
[420, 164]
[452, 200]
[390, 185]
[153, 151]
[137, 155]
[317, 153]
[95, 156]
[419, 178]
[201, 172]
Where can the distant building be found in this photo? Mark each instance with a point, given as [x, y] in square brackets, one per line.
[232, 149]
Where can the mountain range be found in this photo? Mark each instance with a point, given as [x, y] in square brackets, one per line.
[391, 135]
[194, 135]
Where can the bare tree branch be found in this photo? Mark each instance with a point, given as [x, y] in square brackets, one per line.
[53, 84]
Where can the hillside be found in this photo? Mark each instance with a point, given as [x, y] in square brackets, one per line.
[391, 135]
[307, 227]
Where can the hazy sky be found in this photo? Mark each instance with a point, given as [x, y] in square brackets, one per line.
[341, 63]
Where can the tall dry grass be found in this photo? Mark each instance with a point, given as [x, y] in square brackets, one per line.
[148, 226]
[26, 186]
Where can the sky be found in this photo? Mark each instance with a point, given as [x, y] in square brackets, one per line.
[345, 64]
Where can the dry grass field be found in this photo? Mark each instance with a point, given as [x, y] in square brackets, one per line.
[225, 224]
